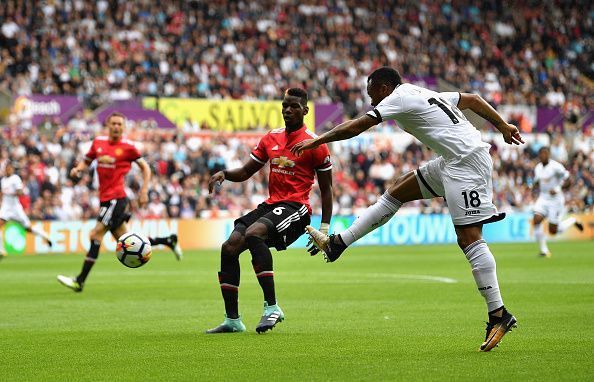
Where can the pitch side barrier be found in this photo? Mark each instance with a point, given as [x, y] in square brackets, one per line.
[73, 236]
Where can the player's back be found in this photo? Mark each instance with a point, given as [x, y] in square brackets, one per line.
[434, 119]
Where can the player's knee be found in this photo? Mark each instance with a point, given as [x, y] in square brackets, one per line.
[231, 248]
[256, 230]
[553, 230]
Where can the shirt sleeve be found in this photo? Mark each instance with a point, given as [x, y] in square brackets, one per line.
[387, 109]
[92, 153]
[562, 172]
[321, 158]
[134, 153]
[451, 97]
[259, 153]
[18, 184]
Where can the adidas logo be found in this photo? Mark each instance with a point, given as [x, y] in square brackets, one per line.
[275, 148]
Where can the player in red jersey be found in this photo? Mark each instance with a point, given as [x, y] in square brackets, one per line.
[282, 218]
[114, 156]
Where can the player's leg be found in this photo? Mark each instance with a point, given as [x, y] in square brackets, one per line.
[469, 193]
[229, 274]
[95, 237]
[255, 238]
[229, 277]
[559, 226]
[23, 219]
[279, 227]
[539, 233]
[2, 250]
[424, 183]
[170, 241]
[484, 271]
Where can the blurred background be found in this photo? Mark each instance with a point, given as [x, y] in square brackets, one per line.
[200, 83]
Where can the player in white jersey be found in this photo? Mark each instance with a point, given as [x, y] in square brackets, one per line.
[461, 174]
[550, 177]
[11, 208]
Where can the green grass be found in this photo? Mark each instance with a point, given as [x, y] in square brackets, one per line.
[373, 315]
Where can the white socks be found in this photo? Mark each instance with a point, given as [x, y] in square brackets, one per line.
[541, 238]
[373, 217]
[41, 233]
[565, 224]
[485, 273]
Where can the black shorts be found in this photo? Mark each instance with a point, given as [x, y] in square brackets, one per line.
[286, 221]
[114, 212]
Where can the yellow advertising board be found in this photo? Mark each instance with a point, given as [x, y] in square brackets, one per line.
[225, 115]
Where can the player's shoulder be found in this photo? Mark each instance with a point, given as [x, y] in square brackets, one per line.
[309, 134]
[128, 142]
[280, 130]
[101, 138]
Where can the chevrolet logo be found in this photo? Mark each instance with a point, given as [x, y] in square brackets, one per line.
[283, 162]
[106, 159]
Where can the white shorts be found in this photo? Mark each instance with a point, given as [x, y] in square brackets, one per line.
[15, 213]
[550, 208]
[466, 185]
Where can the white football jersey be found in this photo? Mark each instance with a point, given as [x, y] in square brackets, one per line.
[10, 186]
[550, 177]
[433, 118]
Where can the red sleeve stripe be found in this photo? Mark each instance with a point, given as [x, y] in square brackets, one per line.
[257, 159]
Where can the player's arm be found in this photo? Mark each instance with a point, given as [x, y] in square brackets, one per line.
[341, 132]
[239, 174]
[80, 168]
[476, 103]
[146, 178]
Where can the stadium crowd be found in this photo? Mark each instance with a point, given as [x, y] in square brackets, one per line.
[182, 165]
[535, 53]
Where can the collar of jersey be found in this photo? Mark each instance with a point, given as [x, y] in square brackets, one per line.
[296, 131]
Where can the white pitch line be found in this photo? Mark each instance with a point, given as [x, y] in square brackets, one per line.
[363, 275]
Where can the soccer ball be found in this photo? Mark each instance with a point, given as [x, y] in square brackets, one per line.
[133, 250]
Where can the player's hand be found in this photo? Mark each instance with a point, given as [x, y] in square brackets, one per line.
[511, 134]
[215, 180]
[75, 172]
[307, 144]
[311, 247]
[142, 198]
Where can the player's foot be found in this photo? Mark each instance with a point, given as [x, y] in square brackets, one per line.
[497, 329]
[70, 282]
[173, 243]
[545, 254]
[230, 325]
[328, 244]
[579, 226]
[49, 242]
[273, 314]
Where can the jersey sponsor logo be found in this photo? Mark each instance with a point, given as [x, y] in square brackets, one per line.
[283, 162]
[106, 159]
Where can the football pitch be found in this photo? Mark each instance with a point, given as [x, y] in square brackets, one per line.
[379, 313]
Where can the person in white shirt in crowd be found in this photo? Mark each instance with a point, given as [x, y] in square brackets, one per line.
[550, 177]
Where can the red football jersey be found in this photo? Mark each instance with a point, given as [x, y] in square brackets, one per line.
[114, 160]
[291, 178]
